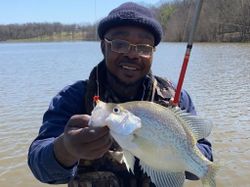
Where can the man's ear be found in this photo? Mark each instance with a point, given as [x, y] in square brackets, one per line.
[103, 47]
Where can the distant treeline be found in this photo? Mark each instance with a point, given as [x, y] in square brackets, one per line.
[220, 20]
[47, 32]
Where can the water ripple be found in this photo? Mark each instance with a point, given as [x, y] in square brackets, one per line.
[217, 79]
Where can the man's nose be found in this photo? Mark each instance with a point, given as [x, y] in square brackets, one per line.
[132, 52]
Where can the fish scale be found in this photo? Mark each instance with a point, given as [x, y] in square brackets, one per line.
[164, 139]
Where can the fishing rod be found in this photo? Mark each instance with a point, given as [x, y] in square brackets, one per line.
[188, 51]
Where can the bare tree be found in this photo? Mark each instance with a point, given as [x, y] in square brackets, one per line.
[220, 20]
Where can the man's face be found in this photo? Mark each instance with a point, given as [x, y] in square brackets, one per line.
[131, 66]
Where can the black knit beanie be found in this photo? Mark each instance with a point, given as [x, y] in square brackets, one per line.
[131, 14]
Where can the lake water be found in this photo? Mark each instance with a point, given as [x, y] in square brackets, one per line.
[218, 79]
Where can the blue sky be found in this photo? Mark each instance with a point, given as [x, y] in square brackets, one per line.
[64, 11]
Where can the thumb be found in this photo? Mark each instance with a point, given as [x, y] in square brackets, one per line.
[78, 121]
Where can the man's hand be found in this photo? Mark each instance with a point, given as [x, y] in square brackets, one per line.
[171, 102]
[80, 141]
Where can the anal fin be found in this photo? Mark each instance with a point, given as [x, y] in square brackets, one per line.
[164, 178]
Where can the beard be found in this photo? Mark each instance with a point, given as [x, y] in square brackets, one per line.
[113, 79]
[125, 91]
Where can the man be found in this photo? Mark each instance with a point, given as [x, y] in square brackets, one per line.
[66, 149]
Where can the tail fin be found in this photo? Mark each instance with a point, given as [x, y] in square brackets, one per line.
[209, 178]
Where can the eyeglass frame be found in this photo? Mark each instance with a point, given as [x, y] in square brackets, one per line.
[129, 47]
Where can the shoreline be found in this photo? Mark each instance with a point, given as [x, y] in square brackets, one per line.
[82, 40]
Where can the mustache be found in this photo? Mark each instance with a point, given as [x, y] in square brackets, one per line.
[122, 84]
[127, 61]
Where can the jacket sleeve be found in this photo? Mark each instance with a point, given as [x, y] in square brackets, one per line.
[203, 144]
[41, 158]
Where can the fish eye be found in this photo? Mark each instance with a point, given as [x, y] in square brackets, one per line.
[116, 110]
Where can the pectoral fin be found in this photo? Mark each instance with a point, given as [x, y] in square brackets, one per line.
[164, 178]
[129, 160]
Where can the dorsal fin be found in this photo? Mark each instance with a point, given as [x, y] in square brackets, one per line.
[201, 128]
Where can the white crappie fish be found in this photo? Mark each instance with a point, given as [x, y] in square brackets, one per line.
[164, 139]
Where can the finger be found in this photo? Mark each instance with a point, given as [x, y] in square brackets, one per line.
[78, 121]
[90, 134]
[171, 102]
[81, 136]
[103, 143]
[98, 150]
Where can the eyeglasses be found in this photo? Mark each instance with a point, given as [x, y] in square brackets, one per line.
[122, 46]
